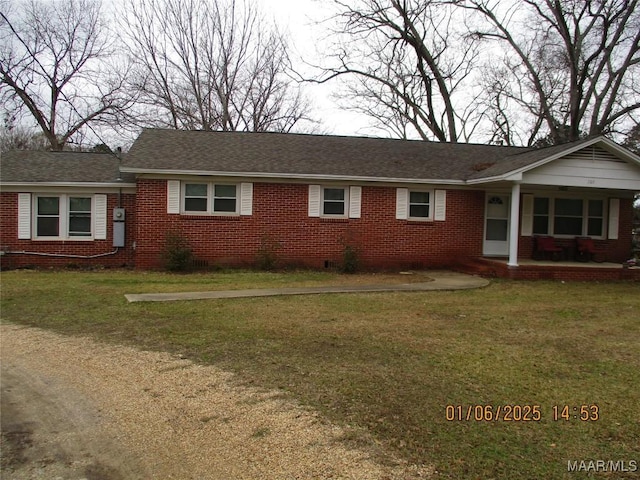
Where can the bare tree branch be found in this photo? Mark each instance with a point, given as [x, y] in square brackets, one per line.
[579, 61]
[211, 66]
[49, 64]
[407, 64]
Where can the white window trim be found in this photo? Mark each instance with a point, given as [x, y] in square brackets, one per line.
[63, 225]
[585, 216]
[346, 189]
[431, 205]
[437, 204]
[183, 198]
[244, 199]
[212, 199]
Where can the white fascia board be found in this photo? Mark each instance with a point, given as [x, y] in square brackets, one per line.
[294, 176]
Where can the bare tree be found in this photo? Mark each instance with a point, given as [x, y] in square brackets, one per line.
[571, 68]
[408, 65]
[19, 137]
[52, 67]
[211, 66]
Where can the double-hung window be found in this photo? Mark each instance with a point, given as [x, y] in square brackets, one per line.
[210, 198]
[568, 219]
[595, 218]
[48, 217]
[334, 201]
[196, 197]
[63, 216]
[541, 216]
[419, 205]
[224, 199]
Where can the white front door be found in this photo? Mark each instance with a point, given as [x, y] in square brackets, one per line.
[496, 226]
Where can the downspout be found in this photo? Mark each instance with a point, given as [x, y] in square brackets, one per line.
[514, 223]
[119, 179]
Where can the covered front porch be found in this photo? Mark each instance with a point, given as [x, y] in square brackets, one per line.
[583, 194]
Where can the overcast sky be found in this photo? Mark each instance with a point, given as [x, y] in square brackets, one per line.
[300, 19]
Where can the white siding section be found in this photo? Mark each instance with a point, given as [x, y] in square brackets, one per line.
[246, 198]
[402, 203]
[440, 209]
[592, 167]
[527, 215]
[173, 196]
[614, 215]
[314, 200]
[100, 221]
[24, 216]
[355, 202]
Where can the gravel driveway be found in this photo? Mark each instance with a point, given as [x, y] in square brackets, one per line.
[75, 409]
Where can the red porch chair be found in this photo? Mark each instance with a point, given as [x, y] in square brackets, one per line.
[587, 251]
[546, 248]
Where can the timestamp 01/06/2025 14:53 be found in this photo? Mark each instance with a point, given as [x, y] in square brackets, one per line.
[521, 413]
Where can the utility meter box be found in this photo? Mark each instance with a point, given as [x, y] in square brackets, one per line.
[118, 214]
[118, 227]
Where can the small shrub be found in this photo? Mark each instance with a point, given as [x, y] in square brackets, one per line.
[177, 253]
[267, 257]
[350, 260]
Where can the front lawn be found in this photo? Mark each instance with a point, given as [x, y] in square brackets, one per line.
[392, 363]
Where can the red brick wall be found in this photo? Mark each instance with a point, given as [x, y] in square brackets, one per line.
[280, 211]
[9, 240]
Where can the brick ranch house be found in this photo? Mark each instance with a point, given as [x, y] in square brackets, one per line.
[401, 204]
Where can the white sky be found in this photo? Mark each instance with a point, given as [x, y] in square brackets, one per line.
[299, 18]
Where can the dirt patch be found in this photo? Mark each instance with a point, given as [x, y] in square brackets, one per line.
[50, 430]
[77, 409]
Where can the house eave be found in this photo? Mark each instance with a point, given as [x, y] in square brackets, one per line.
[68, 185]
[517, 174]
[292, 176]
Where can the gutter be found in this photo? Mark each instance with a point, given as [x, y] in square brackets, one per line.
[293, 176]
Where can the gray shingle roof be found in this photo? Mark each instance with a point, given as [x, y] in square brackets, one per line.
[300, 154]
[24, 166]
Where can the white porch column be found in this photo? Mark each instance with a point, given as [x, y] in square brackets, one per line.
[514, 218]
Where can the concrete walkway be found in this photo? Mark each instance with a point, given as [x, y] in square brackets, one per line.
[440, 281]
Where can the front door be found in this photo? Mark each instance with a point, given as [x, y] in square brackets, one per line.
[496, 227]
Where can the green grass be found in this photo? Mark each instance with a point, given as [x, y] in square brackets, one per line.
[390, 363]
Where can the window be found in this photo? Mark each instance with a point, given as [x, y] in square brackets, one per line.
[63, 216]
[79, 217]
[48, 217]
[419, 205]
[334, 201]
[224, 200]
[595, 218]
[568, 217]
[195, 197]
[210, 198]
[540, 216]
[574, 217]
